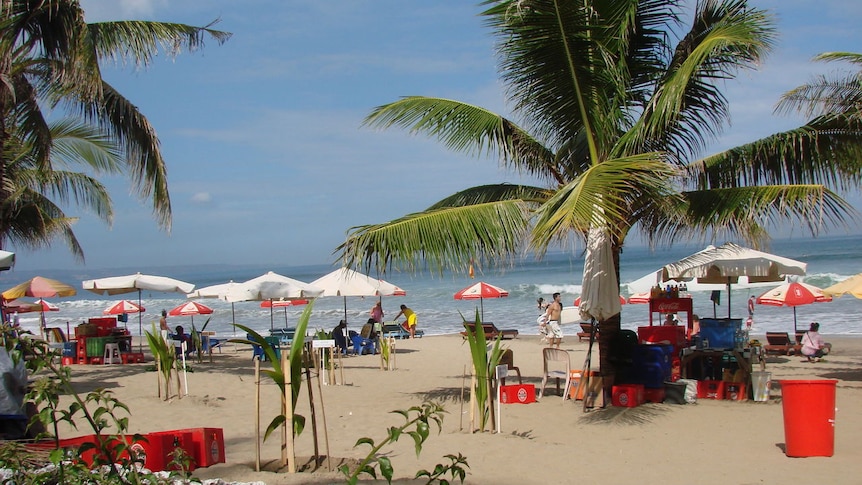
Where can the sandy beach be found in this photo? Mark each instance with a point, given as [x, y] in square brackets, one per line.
[551, 441]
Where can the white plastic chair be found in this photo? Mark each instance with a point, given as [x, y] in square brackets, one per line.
[553, 360]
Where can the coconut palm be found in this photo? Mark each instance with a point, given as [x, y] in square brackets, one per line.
[49, 57]
[30, 215]
[614, 117]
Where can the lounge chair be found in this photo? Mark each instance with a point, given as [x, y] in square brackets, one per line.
[491, 331]
[779, 343]
[397, 331]
[584, 334]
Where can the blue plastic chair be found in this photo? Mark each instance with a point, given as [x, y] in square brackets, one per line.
[362, 345]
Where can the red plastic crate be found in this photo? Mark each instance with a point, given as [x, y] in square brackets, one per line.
[104, 325]
[654, 395]
[132, 357]
[710, 389]
[628, 395]
[159, 447]
[88, 456]
[735, 391]
[518, 394]
[207, 445]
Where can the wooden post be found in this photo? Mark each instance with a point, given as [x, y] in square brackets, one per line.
[392, 353]
[472, 400]
[288, 413]
[159, 375]
[325, 431]
[341, 368]
[257, 414]
[185, 375]
[313, 414]
[461, 414]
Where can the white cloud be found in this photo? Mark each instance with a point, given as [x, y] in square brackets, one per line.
[201, 198]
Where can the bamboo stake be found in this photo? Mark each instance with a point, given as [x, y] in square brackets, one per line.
[185, 374]
[392, 353]
[313, 415]
[461, 415]
[288, 413]
[325, 432]
[159, 376]
[341, 368]
[257, 414]
[472, 400]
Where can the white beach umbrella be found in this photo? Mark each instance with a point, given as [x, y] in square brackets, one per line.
[346, 282]
[7, 260]
[271, 286]
[118, 285]
[726, 263]
[600, 298]
[217, 291]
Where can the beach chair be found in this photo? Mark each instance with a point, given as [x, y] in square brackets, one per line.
[778, 343]
[508, 359]
[361, 345]
[584, 334]
[491, 331]
[556, 364]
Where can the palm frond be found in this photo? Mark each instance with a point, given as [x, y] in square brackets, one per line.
[600, 197]
[494, 193]
[467, 129]
[439, 239]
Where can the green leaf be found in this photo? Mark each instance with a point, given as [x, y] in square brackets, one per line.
[364, 441]
[385, 468]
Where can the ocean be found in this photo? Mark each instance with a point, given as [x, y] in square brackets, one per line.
[829, 259]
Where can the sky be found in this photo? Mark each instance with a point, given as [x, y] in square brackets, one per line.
[268, 161]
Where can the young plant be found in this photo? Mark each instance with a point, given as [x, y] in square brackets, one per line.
[277, 374]
[101, 411]
[417, 426]
[484, 363]
[165, 354]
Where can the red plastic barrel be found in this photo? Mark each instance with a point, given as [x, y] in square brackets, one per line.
[809, 417]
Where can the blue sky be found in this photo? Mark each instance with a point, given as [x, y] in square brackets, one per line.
[268, 163]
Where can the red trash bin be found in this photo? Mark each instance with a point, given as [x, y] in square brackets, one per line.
[809, 417]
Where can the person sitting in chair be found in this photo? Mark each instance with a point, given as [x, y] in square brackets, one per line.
[182, 337]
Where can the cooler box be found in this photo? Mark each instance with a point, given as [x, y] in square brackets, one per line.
[207, 445]
[104, 325]
[70, 349]
[719, 332]
[518, 394]
[710, 389]
[96, 346]
[652, 375]
[595, 385]
[628, 395]
[663, 335]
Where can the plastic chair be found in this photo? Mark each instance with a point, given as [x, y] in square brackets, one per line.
[362, 345]
[112, 354]
[508, 359]
[553, 361]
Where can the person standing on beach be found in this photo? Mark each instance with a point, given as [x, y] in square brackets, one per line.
[411, 319]
[751, 307]
[377, 312]
[163, 321]
[543, 318]
[555, 310]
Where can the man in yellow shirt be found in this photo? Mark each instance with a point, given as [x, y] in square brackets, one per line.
[410, 323]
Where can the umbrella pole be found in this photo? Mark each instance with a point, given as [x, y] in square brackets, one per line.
[728, 298]
[795, 328]
[285, 317]
[271, 318]
[482, 308]
[140, 325]
[345, 309]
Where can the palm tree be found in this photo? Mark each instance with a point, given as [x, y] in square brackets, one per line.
[614, 118]
[49, 57]
[30, 215]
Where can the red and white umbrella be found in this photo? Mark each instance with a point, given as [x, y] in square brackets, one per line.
[190, 309]
[642, 297]
[282, 304]
[622, 301]
[480, 291]
[793, 295]
[124, 306]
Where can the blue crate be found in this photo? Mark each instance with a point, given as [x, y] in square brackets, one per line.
[720, 333]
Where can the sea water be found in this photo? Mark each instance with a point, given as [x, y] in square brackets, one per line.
[829, 260]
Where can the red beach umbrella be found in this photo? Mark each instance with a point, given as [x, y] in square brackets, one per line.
[793, 295]
[639, 298]
[282, 304]
[190, 309]
[124, 306]
[481, 290]
[39, 287]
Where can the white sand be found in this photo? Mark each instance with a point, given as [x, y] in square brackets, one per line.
[711, 442]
